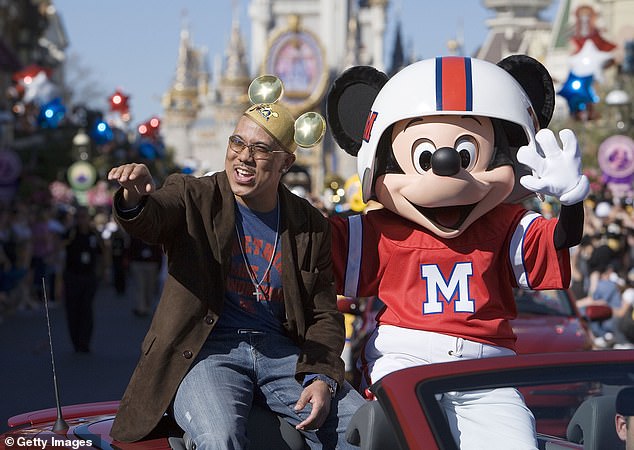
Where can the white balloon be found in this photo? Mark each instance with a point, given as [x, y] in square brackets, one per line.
[589, 61]
[40, 90]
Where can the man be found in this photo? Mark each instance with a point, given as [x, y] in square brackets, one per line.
[145, 267]
[84, 268]
[624, 419]
[248, 310]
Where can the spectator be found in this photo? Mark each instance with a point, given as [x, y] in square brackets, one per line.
[580, 270]
[624, 419]
[57, 260]
[625, 318]
[21, 233]
[607, 292]
[145, 266]
[43, 248]
[118, 242]
[84, 249]
[601, 257]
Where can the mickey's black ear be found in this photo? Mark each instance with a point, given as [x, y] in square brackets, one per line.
[348, 104]
[537, 83]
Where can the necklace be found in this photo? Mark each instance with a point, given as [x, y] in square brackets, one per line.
[257, 285]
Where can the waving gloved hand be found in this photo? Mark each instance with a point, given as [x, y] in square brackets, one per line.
[558, 172]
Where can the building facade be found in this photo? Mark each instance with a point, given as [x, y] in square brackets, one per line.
[308, 43]
[301, 43]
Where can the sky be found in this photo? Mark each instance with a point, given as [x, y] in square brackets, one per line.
[133, 45]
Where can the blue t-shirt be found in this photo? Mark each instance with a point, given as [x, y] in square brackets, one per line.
[257, 233]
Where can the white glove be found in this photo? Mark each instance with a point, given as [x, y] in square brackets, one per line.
[558, 172]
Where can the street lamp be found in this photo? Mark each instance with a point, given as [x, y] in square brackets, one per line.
[81, 145]
[620, 101]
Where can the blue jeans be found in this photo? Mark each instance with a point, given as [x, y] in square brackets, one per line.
[232, 371]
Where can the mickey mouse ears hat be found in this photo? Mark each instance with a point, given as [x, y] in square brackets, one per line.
[307, 131]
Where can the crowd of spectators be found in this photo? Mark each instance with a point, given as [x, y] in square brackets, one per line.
[603, 267]
[34, 241]
[33, 248]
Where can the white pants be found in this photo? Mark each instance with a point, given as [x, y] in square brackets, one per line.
[484, 419]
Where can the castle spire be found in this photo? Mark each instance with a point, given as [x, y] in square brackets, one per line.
[236, 67]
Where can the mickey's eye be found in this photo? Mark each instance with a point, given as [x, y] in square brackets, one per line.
[468, 151]
[423, 150]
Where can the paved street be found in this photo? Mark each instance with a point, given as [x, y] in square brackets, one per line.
[26, 377]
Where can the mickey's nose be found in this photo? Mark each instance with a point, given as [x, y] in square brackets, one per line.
[445, 162]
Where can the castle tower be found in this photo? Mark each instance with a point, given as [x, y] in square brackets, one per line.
[306, 44]
[327, 35]
[516, 28]
[181, 102]
[222, 106]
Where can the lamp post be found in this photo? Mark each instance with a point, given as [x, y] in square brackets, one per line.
[619, 100]
[81, 145]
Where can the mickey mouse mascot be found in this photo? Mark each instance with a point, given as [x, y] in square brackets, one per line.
[448, 146]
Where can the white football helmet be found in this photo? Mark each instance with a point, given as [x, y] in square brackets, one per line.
[444, 85]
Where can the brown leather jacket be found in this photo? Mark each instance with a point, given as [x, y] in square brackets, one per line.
[193, 218]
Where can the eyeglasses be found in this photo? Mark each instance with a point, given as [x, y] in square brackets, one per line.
[257, 151]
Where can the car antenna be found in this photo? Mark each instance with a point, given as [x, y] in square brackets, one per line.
[60, 424]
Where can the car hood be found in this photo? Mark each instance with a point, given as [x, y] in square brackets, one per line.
[547, 334]
[86, 422]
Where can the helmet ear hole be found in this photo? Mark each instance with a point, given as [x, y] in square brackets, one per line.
[536, 82]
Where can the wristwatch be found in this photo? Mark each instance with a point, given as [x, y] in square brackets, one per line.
[332, 384]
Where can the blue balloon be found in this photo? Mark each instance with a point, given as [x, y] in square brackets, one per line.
[147, 150]
[578, 92]
[101, 133]
[51, 114]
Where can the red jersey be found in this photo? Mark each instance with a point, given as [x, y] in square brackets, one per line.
[461, 286]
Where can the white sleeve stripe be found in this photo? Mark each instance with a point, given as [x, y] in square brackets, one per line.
[353, 263]
[516, 250]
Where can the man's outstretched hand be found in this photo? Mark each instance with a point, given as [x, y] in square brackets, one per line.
[136, 181]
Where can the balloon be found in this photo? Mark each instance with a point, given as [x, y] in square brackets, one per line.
[29, 72]
[51, 114]
[81, 175]
[578, 92]
[39, 89]
[586, 29]
[147, 150]
[101, 133]
[589, 61]
[601, 44]
[150, 129]
[616, 158]
[119, 102]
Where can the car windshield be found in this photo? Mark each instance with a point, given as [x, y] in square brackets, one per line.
[571, 395]
[554, 302]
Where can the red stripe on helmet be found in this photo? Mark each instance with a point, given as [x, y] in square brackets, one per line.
[454, 84]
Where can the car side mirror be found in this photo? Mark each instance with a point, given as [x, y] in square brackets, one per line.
[598, 313]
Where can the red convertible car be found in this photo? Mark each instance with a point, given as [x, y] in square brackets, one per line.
[405, 415]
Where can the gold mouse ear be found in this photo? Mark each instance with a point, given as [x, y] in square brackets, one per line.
[307, 131]
[266, 89]
[310, 128]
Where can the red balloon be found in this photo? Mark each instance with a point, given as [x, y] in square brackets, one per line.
[119, 102]
[30, 71]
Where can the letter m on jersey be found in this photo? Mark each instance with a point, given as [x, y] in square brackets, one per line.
[455, 290]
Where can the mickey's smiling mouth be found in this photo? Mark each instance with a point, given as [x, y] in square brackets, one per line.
[451, 217]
